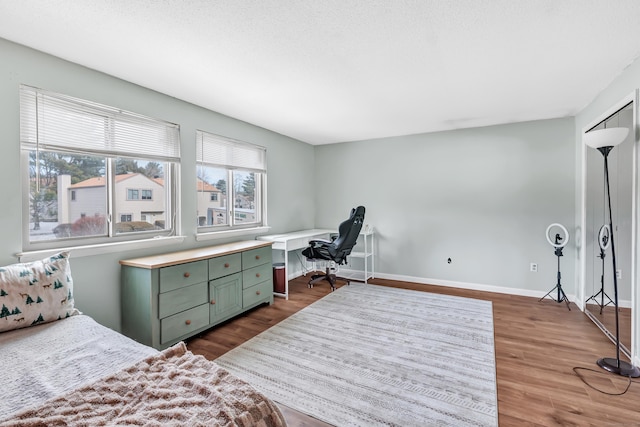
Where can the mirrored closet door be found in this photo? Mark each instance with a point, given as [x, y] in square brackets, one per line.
[599, 289]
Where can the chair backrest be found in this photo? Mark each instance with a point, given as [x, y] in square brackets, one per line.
[348, 232]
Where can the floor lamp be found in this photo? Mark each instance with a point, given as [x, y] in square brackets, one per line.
[604, 140]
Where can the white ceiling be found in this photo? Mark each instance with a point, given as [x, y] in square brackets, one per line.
[325, 71]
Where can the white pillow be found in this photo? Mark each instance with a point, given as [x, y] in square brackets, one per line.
[36, 292]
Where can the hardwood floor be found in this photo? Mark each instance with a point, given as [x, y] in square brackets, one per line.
[537, 345]
[608, 320]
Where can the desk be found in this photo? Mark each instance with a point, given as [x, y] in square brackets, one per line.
[290, 242]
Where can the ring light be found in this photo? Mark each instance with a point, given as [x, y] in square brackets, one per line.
[566, 236]
[604, 236]
[558, 243]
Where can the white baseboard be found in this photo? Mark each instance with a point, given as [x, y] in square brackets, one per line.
[467, 285]
[297, 273]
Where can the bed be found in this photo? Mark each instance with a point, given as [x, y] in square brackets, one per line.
[67, 369]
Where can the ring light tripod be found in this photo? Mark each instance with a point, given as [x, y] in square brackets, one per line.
[604, 240]
[558, 243]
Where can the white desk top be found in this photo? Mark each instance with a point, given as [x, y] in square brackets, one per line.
[295, 235]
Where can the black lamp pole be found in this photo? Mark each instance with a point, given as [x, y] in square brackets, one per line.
[610, 364]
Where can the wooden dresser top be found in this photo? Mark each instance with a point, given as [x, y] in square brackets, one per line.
[190, 255]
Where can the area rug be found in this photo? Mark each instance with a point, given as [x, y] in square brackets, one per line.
[368, 355]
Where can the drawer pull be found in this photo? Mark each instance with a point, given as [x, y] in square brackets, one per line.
[188, 322]
[257, 256]
[257, 292]
[186, 274]
[213, 302]
[257, 274]
[226, 265]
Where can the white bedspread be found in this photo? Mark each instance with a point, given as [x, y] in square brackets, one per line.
[41, 362]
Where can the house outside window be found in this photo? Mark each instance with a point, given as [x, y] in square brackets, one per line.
[100, 158]
[231, 183]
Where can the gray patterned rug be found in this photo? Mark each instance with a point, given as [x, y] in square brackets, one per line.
[368, 355]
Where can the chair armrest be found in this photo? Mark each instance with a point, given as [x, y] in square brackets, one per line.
[320, 242]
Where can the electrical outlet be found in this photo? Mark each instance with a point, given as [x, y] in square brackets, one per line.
[533, 267]
[618, 274]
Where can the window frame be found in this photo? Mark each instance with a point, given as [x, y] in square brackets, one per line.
[171, 166]
[230, 161]
[131, 192]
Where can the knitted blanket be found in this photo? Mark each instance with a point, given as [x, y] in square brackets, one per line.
[174, 387]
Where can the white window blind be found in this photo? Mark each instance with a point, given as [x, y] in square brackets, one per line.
[56, 122]
[223, 152]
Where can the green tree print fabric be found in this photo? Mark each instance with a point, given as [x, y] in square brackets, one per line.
[36, 292]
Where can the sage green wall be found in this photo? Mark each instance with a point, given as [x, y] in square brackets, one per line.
[482, 197]
[97, 278]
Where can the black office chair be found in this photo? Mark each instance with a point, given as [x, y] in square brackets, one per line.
[336, 249]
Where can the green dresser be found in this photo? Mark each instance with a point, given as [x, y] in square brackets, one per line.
[170, 297]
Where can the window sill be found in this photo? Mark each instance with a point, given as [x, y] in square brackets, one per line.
[215, 235]
[105, 248]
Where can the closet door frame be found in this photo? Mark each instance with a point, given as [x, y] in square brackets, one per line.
[635, 261]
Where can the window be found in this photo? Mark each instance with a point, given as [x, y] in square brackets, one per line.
[132, 194]
[100, 158]
[231, 183]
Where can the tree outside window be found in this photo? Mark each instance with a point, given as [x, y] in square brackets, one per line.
[73, 192]
[233, 174]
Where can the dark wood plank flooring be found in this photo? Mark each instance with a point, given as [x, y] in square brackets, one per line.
[537, 346]
[608, 320]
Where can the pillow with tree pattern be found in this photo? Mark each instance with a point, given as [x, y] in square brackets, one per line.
[36, 292]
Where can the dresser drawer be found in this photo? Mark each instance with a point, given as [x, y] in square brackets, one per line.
[256, 257]
[182, 299]
[184, 323]
[256, 275]
[180, 275]
[224, 265]
[257, 293]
